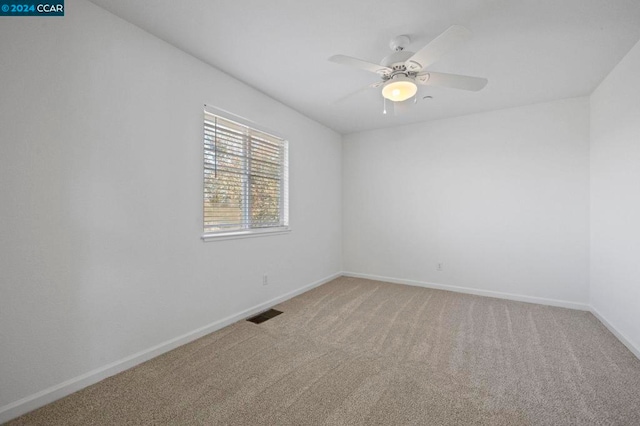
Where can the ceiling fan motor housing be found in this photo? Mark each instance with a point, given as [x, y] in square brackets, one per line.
[397, 59]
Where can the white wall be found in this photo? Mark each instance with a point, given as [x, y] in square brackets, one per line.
[500, 198]
[101, 203]
[615, 199]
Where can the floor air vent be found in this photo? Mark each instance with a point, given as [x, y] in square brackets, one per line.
[266, 315]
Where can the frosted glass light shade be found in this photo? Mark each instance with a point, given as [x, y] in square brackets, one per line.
[399, 89]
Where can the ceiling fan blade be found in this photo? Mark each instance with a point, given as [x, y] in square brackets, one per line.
[359, 63]
[454, 81]
[364, 89]
[448, 40]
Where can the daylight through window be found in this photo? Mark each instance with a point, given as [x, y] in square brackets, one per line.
[245, 178]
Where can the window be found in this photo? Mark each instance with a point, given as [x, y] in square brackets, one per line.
[245, 179]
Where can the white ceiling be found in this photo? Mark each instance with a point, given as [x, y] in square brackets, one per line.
[530, 50]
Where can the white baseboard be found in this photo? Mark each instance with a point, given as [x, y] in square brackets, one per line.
[46, 396]
[624, 339]
[477, 292]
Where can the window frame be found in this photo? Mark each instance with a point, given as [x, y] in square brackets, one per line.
[284, 187]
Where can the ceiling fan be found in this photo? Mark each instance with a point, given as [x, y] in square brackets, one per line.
[403, 70]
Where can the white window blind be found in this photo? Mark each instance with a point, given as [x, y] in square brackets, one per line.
[245, 178]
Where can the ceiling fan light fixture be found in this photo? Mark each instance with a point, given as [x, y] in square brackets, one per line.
[399, 89]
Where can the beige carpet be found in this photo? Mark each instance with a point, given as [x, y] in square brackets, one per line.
[364, 352]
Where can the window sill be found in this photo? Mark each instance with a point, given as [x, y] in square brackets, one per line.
[234, 235]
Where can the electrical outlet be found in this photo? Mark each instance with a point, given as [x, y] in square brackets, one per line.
[439, 266]
[265, 279]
